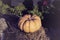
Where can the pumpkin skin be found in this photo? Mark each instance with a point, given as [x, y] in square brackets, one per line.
[30, 23]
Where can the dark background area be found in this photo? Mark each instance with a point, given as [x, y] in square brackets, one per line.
[51, 20]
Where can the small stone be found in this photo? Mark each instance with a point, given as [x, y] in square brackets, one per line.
[3, 24]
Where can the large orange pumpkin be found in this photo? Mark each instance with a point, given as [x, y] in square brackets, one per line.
[30, 23]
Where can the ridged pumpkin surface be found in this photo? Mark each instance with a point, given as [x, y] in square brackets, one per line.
[30, 23]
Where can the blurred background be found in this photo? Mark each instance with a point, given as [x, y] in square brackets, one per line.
[51, 18]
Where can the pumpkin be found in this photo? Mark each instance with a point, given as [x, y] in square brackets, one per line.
[29, 23]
